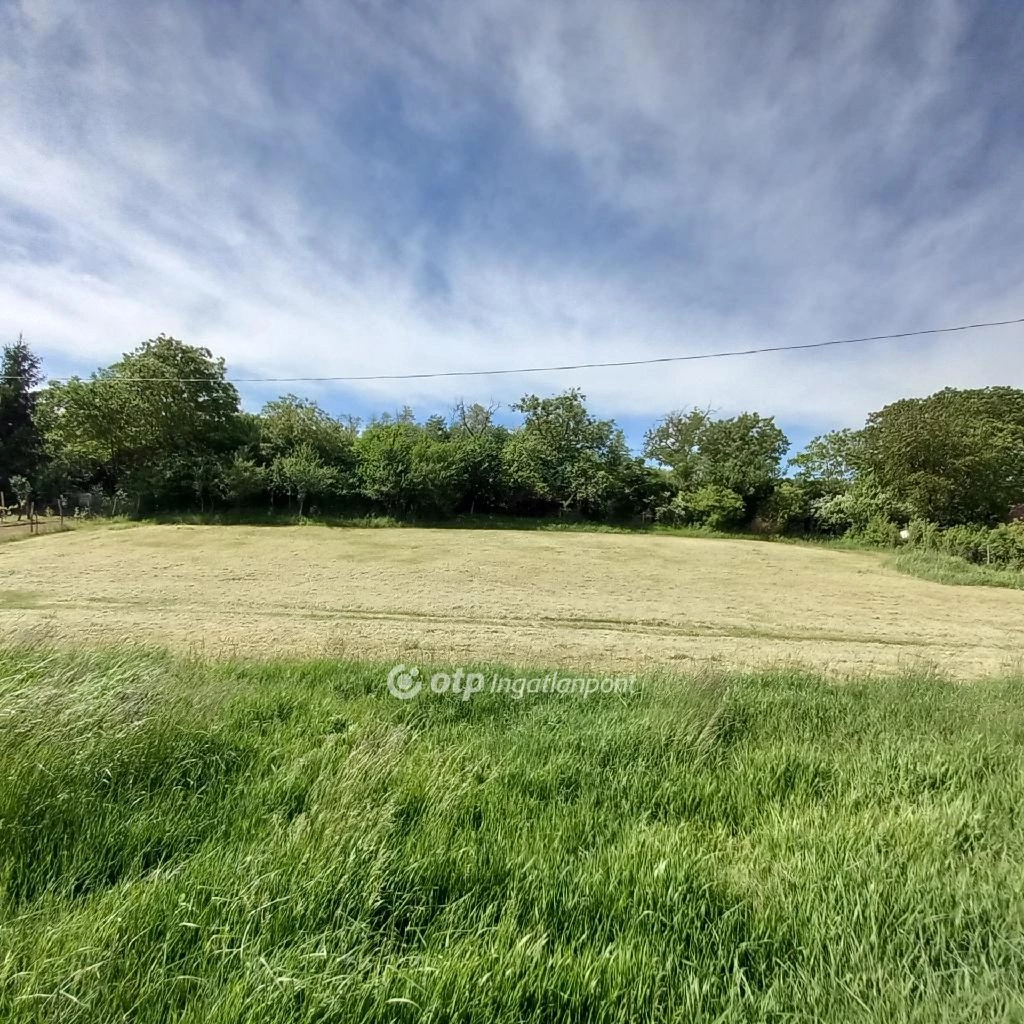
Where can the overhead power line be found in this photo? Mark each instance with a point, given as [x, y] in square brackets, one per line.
[694, 357]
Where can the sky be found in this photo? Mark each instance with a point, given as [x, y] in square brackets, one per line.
[338, 189]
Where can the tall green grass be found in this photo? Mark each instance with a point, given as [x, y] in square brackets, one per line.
[186, 841]
[955, 571]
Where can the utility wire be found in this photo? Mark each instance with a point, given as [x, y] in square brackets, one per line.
[695, 357]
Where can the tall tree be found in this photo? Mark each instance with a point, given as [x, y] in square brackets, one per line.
[954, 457]
[20, 439]
[742, 454]
[289, 422]
[827, 464]
[480, 443]
[386, 474]
[147, 421]
[302, 472]
[567, 457]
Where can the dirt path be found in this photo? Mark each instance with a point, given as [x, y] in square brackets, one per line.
[606, 601]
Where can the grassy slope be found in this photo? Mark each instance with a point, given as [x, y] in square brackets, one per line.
[940, 568]
[284, 842]
[928, 565]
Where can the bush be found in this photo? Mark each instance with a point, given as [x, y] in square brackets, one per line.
[715, 507]
[860, 511]
[879, 530]
[787, 507]
[1001, 546]
[967, 542]
[1006, 545]
[924, 534]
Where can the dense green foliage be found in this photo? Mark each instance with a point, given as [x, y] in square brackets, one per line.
[286, 842]
[162, 430]
[956, 457]
[20, 440]
[159, 421]
[742, 456]
[965, 554]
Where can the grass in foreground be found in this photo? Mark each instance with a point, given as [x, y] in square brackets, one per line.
[286, 842]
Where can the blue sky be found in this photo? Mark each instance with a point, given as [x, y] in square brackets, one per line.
[378, 187]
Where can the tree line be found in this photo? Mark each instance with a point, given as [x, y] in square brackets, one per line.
[162, 429]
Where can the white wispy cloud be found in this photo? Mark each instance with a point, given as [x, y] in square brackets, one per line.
[622, 181]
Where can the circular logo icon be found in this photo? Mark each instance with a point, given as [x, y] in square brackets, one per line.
[404, 684]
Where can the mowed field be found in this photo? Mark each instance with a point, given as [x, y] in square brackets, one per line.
[279, 840]
[607, 601]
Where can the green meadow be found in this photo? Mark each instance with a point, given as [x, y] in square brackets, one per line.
[186, 840]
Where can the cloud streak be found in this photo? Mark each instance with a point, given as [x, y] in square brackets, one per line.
[385, 188]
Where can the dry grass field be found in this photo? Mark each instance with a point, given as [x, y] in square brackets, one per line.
[12, 529]
[606, 601]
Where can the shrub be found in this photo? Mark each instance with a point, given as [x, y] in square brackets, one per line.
[966, 542]
[924, 534]
[1006, 545]
[715, 507]
[22, 488]
[879, 530]
[1001, 546]
[858, 508]
[787, 507]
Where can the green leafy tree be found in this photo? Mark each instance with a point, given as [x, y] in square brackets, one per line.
[385, 461]
[290, 422]
[675, 442]
[22, 488]
[565, 457]
[197, 474]
[860, 509]
[788, 508]
[712, 505]
[827, 464]
[243, 480]
[410, 469]
[134, 423]
[21, 447]
[825, 469]
[643, 489]
[436, 428]
[473, 420]
[742, 454]
[480, 444]
[954, 457]
[302, 473]
[438, 475]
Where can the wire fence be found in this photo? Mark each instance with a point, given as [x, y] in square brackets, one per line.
[23, 518]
